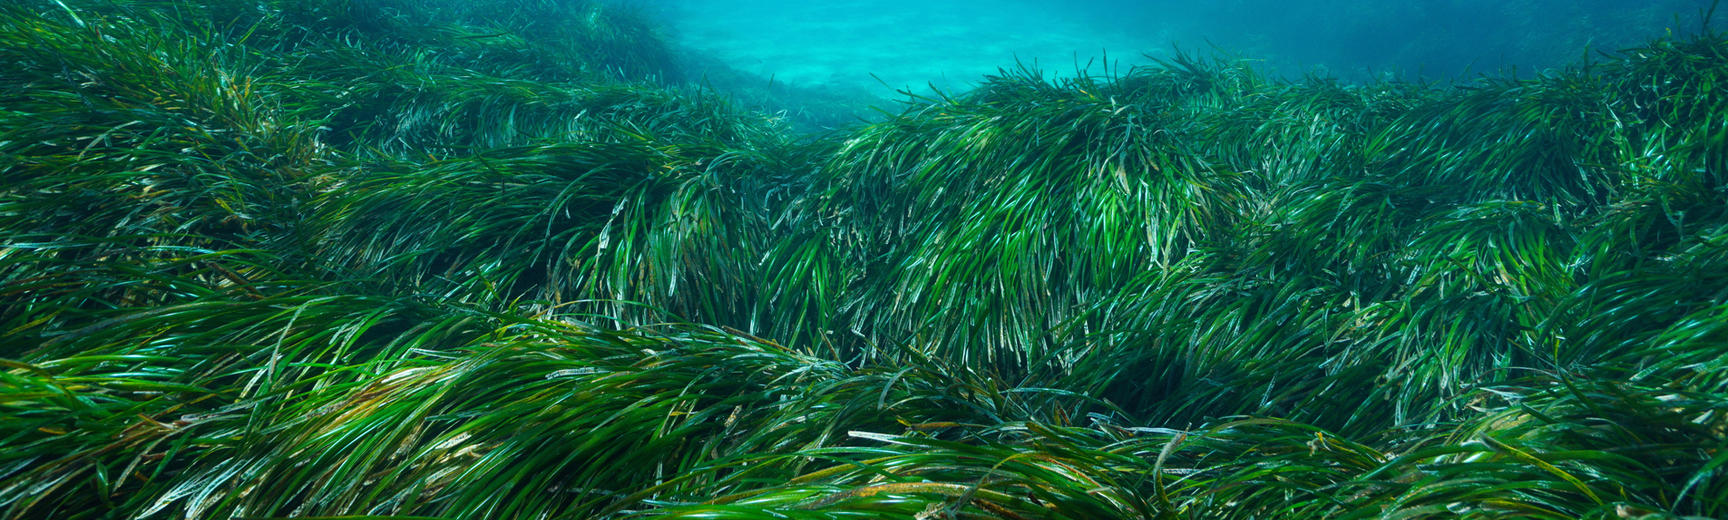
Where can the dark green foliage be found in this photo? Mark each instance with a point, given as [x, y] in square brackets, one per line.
[129, 130]
[428, 259]
[1005, 211]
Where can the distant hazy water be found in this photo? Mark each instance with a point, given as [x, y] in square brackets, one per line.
[905, 43]
[952, 43]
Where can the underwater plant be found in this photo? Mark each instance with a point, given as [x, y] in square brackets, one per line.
[441, 259]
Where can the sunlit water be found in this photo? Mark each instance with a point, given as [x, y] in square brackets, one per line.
[897, 44]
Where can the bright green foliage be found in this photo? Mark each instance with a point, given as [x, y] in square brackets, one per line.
[441, 259]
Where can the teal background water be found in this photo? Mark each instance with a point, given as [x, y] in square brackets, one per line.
[880, 45]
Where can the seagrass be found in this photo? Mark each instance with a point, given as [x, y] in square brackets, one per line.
[496, 259]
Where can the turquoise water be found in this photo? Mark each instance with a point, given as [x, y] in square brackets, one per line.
[885, 45]
[897, 43]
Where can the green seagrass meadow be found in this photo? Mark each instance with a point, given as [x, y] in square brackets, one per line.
[497, 259]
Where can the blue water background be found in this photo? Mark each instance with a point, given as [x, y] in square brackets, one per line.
[886, 45]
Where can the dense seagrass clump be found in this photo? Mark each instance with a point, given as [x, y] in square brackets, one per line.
[494, 259]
